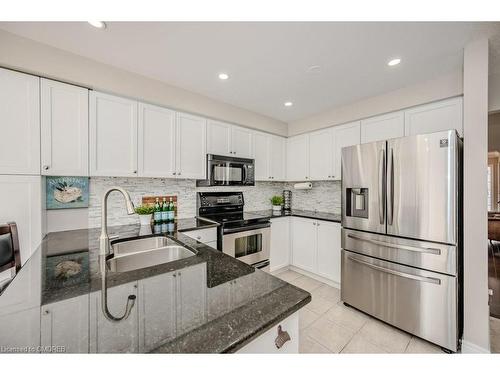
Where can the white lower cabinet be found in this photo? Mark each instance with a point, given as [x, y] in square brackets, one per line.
[280, 243]
[206, 236]
[191, 297]
[265, 343]
[20, 329]
[55, 330]
[316, 247]
[111, 337]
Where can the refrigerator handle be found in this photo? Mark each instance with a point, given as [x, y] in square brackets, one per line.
[381, 187]
[390, 187]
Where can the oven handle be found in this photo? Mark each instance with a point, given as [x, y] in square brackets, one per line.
[247, 228]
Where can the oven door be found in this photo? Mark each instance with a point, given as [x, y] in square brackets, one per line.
[249, 246]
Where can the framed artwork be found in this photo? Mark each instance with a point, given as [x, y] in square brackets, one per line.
[67, 192]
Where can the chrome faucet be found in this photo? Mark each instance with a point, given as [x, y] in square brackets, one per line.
[104, 252]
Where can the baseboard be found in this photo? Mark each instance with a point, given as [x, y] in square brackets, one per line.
[314, 276]
[470, 348]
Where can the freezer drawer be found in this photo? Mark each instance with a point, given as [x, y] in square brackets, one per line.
[427, 255]
[420, 302]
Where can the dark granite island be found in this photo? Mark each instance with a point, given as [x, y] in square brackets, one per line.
[205, 303]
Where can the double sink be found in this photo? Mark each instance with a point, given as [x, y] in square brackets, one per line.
[145, 252]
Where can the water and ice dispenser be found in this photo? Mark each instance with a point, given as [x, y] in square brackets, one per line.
[357, 202]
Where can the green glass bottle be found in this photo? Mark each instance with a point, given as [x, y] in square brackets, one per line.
[171, 210]
[157, 211]
[164, 210]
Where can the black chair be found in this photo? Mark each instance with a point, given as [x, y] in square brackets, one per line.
[10, 257]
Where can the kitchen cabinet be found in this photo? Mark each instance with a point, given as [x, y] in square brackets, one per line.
[343, 136]
[297, 160]
[55, 330]
[20, 329]
[230, 140]
[113, 135]
[21, 202]
[280, 243]
[157, 310]
[304, 243]
[434, 117]
[19, 123]
[321, 155]
[190, 152]
[379, 128]
[109, 337]
[191, 298]
[218, 300]
[269, 153]
[156, 141]
[64, 129]
[205, 236]
[328, 250]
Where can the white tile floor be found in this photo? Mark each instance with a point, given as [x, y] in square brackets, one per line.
[494, 335]
[327, 326]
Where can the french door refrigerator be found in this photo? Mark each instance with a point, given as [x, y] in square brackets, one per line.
[402, 233]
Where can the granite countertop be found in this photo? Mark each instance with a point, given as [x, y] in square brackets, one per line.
[327, 216]
[222, 302]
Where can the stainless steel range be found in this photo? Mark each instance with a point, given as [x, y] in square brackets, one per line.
[402, 233]
[242, 235]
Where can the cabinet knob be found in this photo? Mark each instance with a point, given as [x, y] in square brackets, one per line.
[135, 172]
[46, 312]
[179, 173]
[198, 237]
[46, 167]
[174, 173]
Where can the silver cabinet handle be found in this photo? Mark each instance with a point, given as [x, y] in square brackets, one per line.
[174, 173]
[46, 167]
[424, 279]
[381, 187]
[390, 188]
[178, 173]
[135, 172]
[429, 250]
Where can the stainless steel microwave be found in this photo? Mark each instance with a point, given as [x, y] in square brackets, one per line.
[228, 171]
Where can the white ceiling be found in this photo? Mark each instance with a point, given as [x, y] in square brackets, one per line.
[268, 62]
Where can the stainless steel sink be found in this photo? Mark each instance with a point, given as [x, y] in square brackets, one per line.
[145, 252]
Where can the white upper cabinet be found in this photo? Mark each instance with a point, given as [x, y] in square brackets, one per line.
[64, 129]
[391, 125]
[190, 146]
[434, 117]
[229, 140]
[321, 155]
[343, 136]
[219, 138]
[241, 142]
[113, 135]
[277, 158]
[297, 163]
[19, 123]
[156, 141]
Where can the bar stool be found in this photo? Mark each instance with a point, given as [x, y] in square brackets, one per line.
[10, 257]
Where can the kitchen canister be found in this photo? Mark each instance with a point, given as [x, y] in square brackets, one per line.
[287, 200]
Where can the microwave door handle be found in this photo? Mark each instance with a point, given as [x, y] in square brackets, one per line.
[244, 173]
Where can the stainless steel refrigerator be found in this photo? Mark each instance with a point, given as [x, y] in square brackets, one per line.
[402, 233]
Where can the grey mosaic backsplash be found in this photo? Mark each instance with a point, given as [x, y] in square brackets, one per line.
[324, 196]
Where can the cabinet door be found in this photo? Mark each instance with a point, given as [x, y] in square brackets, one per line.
[113, 135]
[304, 243]
[277, 156]
[218, 138]
[19, 123]
[110, 337]
[280, 243]
[241, 142]
[66, 323]
[65, 129]
[383, 127]
[21, 201]
[20, 329]
[297, 160]
[218, 300]
[191, 298]
[157, 311]
[321, 155]
[343, 136]
[156, 141]
[328, 263]
[190, 146]
[261, 150]
[435, 117]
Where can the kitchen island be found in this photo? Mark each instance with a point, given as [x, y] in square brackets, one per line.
[206, 303]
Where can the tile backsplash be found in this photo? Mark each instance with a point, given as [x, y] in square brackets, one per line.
[324, 196]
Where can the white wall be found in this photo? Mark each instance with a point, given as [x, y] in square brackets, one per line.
[476, 310]
[37, 58]
[446, 86]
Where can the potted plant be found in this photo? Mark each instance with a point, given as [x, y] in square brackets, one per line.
[145, 213]
[277, 202]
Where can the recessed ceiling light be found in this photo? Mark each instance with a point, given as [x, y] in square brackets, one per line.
[394, 62]
[98, 24]
[288, 104]
[223, 76]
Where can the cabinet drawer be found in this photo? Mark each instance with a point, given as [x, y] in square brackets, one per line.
[265, 342]
[203, 235]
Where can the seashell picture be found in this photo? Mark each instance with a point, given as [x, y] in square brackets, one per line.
[67, 192]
